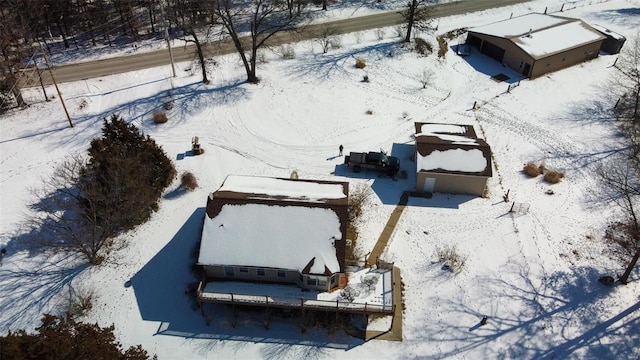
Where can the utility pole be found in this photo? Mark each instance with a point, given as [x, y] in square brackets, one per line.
[46, 60]
[166, 36]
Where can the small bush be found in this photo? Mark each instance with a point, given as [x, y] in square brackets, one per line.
[451, 260]
[160, 117]
[188, 181]
[399, 29]
[532, 169]
[358, 198]
[380, 33]
[365, 78]
[369, 112]
[443, 47]
[79, 302]
[423, 47]
[553, 177]
[335, 42]
[360, 63]
[287, 52]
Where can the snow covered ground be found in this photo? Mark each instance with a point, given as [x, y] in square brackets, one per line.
[534, 275]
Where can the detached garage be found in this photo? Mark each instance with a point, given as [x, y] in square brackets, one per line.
[536, 44]
[451, 159]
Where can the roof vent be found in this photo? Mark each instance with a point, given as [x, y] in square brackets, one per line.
[529, 34]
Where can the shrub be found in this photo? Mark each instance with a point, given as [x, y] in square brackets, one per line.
[380, 33]
[160, 117]
[423, 47]
[532, 169]
[553, 177]
[451, 260]
[360, 63]
[188, 181]
[358, 198]
[79, 302]
[369, 112]
[287, 52]
[365, 78]
[443, 47]
[61, 337]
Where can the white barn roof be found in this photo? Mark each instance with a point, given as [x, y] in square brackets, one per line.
[541, 35]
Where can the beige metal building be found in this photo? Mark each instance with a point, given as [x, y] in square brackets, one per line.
[451, 159]
[536, 44]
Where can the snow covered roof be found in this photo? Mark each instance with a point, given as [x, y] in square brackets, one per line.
[541, 35]
[274, 223]
[609, 32]
[452, 149]
[300, 190]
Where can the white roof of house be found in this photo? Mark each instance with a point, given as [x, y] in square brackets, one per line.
[540, 34]
[452, 159]
[273, 236]
[265, 187]
[447, 132]
[262, 235]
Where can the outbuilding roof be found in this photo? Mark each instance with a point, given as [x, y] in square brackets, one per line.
[447, 148]
[262, 222]
[541, 35]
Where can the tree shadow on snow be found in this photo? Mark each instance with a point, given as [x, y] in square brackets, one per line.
[185, 101]
[32, 285]
[164, 291]
[553, 316]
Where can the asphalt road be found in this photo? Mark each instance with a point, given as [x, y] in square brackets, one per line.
[143, 60]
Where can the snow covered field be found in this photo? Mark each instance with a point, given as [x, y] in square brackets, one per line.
[534, 275]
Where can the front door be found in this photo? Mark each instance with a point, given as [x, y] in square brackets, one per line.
[527, 68]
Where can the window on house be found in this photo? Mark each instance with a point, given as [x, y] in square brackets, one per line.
[548, 64]
[260, 272]
[521, 63]
[281, 273]
[243, 270]
[228, 271]
[322, 282]
[563, 59]
[312, 281]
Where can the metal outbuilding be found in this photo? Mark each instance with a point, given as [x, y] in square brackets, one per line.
[536, 44]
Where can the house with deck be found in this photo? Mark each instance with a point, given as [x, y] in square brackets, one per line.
[280, 242]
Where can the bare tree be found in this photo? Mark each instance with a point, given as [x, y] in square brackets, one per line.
[426, 77]
[264, 19]
[190, 16]
[418, 14]
[629, 65]
[621, 180]
[66, 218]
[327, 38]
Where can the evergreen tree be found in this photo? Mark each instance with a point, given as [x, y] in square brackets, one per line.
[61, 337]
[126, 175]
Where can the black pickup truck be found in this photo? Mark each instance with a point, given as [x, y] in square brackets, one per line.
[379, 161]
